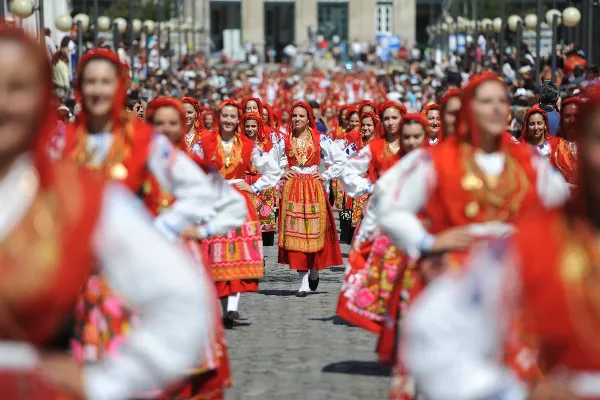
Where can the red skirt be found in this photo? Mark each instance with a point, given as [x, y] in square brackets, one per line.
[373, 267]
[237, 256]
[28, 385]
[307, 235]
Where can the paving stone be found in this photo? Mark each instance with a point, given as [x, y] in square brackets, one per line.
[296, 348]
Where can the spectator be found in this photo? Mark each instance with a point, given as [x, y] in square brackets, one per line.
[51, 46]
[60, 74]
[549, 95]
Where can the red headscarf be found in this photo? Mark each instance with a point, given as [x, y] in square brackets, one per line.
[574, 101]
[215, 127]
[420, 119]
[376, 121]
[311, 118]
[389, 103]
[311, 125]
[466, 126]
[450, 94]
[48, 114]
[430, 107]
[198, 122]
[261, 135]
[271, 116]
[118, 110]
[255, 99]
[229, 102]
[525, 131]
[168, 102]
[367, 103]
[582, 203]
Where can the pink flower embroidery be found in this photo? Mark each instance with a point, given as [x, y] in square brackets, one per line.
[94, 285]
[77, 350]
[265, 211]
[364, 298]
[112, 307]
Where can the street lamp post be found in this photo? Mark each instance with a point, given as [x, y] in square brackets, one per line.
[96, 28]
[64, 23]
[538, 42]
[515, 24]
[148, 28]
[25, 9]
[533, 22]
[553, 18]
[119, 27]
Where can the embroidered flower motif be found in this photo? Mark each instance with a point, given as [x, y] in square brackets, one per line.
[365, 298]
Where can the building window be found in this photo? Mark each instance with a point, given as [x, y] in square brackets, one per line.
[384, 18]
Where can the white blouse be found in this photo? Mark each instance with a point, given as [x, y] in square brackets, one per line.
[202, 199]
[267, 166]
[169, 293]
[405, 188]
[331, 154]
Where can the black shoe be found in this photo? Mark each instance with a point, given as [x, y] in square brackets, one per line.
[313, 285]
[301, 294]
[233, 315]
[227, 323]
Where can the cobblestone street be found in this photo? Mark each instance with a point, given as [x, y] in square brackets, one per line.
[296, 348]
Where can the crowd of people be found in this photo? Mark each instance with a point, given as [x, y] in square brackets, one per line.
[136, 214]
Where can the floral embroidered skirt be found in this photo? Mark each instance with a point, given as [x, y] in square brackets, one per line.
[337, 190]
[239, 254]
[265, 207]
[373, 266]
[307, 234]
[103, 322]
[357, 209]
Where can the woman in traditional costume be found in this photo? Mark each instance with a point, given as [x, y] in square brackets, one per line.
[111, 144]
[346, 141]
[374, 263]
[209, 118]
[264, 202]
[569, 110]
[209, 379]
[57, 221]
[194, 125]
[449, 108]
[236, 258]
[308, 239]
[561, 153]
[553, 284]
[434, 119]
[477, 182]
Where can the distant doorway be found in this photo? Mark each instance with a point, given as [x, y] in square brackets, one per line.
[279, 28]
[223, 15]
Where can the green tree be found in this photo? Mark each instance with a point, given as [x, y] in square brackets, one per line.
[143, 9]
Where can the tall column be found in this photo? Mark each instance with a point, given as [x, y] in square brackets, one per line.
[253, 24]
[361, 15]
[203, 11]
[306, 15]
[405, 21]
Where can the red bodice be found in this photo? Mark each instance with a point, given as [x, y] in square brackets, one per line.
[240, 159]
[47, 258]
[381, 158]
[560, 288]
[312, 153]
[127, 158]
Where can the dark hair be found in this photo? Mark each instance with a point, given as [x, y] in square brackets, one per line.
[47, 31]
[132, 102]
[578, 71]
[549, 93]
[65, 41]
[313, 104]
